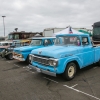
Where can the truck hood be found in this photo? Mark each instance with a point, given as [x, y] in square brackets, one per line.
[26, 48]
[57, 51]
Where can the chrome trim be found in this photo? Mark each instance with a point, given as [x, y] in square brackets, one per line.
[42, 60]
[42, 71]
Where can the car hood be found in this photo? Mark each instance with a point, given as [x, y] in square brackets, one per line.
[26, 48]
[57, 51]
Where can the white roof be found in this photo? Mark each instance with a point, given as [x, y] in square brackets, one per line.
[67, 31]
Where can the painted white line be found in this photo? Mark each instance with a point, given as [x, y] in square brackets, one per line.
[24, 67]
[74, 85]
[50, 80]
[81, 92]
[94, 67]
[27, 66]
[8, 61]
[16, 65]
[31, 72]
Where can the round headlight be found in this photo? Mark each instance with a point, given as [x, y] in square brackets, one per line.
[51, 63]
[54, 63]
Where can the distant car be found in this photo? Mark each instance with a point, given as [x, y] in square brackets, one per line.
[22, 53]
[4, 44]
[8, 52]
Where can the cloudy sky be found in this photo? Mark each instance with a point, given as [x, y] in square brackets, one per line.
[36, 15]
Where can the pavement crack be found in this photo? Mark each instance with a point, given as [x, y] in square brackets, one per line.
[89, 84]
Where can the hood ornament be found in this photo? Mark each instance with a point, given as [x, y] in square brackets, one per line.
[39, 52]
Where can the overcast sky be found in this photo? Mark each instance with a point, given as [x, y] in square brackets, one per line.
[36, 15]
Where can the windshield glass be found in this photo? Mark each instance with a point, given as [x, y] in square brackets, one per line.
[67, 40]
[96, 30]
[16, 36]
[36, 42]
[10, 36]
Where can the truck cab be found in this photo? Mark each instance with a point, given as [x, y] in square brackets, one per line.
[22, 53]
[69, 52]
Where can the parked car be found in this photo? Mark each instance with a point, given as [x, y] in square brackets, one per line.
[8, 52]
[22, 53]
[71, 51]
[5, 44]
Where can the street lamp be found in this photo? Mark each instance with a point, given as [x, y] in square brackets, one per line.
[4, 25]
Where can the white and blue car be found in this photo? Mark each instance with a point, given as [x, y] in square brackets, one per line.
[70, 51]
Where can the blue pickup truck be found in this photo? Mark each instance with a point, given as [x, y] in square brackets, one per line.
[69, 52]
[22, 53]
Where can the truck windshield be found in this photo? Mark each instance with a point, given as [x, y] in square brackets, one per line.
[96, 30]
[67, 40]
[36, 42]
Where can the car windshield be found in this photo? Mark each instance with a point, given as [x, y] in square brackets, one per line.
[67, 40]
[36, 42]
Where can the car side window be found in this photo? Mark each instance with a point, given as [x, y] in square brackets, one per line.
[47, 42]
[53, 40]
[85, 41]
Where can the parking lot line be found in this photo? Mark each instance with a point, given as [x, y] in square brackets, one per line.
[94, 67]
[81, 92]
[29, 71]
[74, 85]
[16, 65]
[8, 61]
[50, 80]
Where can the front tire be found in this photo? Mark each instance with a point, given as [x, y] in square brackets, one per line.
[70, 71]
[27, 60]
[9, 56]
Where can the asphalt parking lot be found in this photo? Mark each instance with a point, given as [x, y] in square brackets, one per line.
[18, 82]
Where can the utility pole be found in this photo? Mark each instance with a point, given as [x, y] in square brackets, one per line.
[4, 24]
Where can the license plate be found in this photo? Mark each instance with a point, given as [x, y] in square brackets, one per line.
[38, 70]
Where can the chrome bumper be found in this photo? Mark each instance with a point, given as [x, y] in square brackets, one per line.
[17, 58]
[42, 71]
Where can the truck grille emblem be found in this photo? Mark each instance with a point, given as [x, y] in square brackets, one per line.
[39, 52]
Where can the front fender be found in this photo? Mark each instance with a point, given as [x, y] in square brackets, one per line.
[74, 58]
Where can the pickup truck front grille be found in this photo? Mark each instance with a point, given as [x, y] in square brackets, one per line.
[42, 60]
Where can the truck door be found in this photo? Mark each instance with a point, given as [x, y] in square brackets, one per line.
[88, 52]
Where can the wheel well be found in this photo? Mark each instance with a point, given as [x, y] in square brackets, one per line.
[77, 65]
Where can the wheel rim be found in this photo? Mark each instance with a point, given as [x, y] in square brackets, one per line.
[71, 71]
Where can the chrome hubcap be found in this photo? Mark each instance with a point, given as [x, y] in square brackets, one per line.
[71, 71]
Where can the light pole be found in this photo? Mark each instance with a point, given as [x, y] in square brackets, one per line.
[4, 25]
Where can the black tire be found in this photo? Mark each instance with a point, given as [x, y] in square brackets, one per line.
[9, 56]
[70, 71]
[27, 60]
